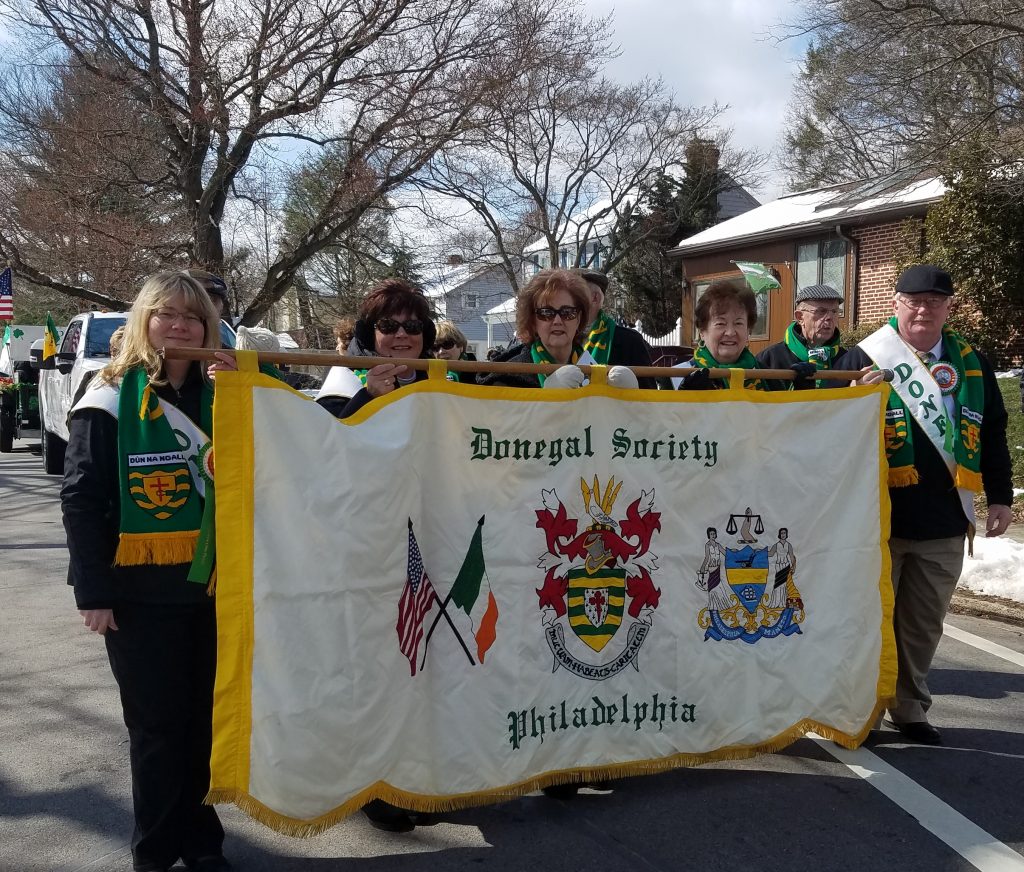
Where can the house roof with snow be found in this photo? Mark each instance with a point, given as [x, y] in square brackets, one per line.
[819, 209]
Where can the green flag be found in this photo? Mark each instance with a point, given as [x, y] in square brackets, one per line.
[758, 276]
[7, 335]
[466, 589]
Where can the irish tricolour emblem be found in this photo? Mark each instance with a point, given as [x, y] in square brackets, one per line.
[750, 583]
[598, 596]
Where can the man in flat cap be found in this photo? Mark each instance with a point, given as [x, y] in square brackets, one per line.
[812, 337]
[945, 434]
[609, 343]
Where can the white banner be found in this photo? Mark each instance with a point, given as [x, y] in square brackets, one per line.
[462, 593]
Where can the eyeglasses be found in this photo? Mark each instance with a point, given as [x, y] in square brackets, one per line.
[444, 345]
[923, 302]
[566, 313]
[387, 326]
[170, 316]
[820, 313]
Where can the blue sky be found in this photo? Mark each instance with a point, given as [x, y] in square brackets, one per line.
[709, 50]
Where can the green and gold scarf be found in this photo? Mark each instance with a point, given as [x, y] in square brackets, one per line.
[965, 435]
[703, 358]
[541, 355]
[162, 512]
[822, 356]
[599, 339]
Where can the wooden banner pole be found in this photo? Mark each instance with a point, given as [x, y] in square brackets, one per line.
[331, 358]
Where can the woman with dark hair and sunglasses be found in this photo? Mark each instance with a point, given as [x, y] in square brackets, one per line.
[451, 344]
[394, 321]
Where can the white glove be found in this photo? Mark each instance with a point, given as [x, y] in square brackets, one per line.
[622, 377]
[567, 376]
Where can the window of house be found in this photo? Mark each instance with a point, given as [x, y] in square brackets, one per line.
[760, 328]
[563, 257]
[470, 301]
[822, 262]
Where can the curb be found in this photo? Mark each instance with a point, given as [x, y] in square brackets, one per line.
[992, 607]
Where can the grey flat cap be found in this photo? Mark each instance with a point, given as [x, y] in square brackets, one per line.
[594, 277]
[818, 292]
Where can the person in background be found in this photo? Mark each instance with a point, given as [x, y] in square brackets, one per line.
[450, 344]
[931, 487]
[344, 330]
[812, 337]
[610, 343]
[133, 570]
[217, 288]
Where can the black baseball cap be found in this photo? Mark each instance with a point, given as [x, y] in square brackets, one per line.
[594, 277]
[925, 279]
[214, 285]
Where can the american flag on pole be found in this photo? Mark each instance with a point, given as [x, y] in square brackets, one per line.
[6, 296]
[417, 598]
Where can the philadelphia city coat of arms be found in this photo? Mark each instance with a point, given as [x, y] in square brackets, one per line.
[597, 580]
[751, 588]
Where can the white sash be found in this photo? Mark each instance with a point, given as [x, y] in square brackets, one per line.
[921, 395]
[340, 382]
[190, 437]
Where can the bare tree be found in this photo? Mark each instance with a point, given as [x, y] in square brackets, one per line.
[897, 84]
[566, 158]
[218, 80]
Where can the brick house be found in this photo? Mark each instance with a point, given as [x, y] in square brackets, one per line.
[851, 236]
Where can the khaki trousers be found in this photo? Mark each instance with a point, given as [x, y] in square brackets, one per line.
[924, 575]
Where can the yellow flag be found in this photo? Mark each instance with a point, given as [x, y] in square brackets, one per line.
[50, 338]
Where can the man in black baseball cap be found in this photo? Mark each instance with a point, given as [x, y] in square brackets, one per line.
[812, 337]
[945, 435]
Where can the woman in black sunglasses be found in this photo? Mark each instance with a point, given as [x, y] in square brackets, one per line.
[451, 344]
[551, 321]
[394, 321]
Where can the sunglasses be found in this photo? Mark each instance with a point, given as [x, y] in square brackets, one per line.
[444, 345]
[566, 313]
[387, 326]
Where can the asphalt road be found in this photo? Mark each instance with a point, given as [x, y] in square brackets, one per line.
[65, 801]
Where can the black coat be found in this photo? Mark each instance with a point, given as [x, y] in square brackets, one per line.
[779, 356]
[91, 504]
[931, 509]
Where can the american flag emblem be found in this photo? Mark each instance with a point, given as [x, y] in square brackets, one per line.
[417, 597]
[6, 296]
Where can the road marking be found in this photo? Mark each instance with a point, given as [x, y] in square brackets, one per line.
[980, 849]
[981, 644]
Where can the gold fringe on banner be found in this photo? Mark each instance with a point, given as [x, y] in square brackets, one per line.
[304, 829]
[162, 549]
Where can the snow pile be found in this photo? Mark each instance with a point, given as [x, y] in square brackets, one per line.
[997, 568]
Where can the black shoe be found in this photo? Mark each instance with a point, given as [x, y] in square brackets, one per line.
[387, 817]
[921, 732]
[209, 863]
[561, 791]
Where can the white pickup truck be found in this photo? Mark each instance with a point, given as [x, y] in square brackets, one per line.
[84, 349]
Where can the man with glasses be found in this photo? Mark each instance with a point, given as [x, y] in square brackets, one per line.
[945, 435]
[812, 338]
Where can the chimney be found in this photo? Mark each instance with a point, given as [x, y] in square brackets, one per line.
[703, 155]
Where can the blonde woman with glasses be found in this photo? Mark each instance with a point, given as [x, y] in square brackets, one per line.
[138, 472]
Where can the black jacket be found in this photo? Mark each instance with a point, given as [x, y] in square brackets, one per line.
[931, 509]
[515, 354]
[779, 356]
[91, 504]
[342, 408]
